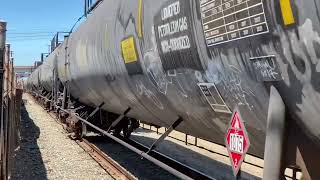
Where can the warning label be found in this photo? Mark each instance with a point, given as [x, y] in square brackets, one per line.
[213, 97]
[229, 20]
[129, 50]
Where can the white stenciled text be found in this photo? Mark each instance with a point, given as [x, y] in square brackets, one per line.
[175, 44]
[236, 143]
[170, 11]
[173, 27]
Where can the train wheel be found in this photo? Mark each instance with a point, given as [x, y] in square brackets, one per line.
[127, 126]
[132, 124]
[62, 117]
[74, 126]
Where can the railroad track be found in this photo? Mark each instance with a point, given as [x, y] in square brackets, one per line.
[187, 170]
[119, 172]
[97, 147]
[106, 162]
[110, 165]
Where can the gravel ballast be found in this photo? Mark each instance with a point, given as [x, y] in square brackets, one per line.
[46, 152]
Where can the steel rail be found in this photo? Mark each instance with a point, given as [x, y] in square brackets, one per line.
[134, 149]
[104, 160]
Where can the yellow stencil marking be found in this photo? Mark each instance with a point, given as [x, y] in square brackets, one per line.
[140, 19]
[286, 10]
[129, 50]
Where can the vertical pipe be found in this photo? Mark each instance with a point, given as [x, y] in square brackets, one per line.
[275, 136]
[238, 177]
[53, 91]
[64, 101]
[42, 57]
[3, 26]
[85, 8]
[294, 174]
[186, 139]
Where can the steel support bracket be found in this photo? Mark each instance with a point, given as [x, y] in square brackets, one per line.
[134, 149]
[274, 137]
[165, 134]
[119, 119]
[95, 111]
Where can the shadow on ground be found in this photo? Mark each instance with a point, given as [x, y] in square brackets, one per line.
[144, 169]
[202, 163]
[28, 163]
[132, 162]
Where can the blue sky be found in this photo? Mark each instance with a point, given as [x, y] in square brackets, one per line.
[32, 24]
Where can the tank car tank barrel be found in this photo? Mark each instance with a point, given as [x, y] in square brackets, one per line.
[275, 136]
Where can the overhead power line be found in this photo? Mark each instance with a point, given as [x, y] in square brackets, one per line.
[29, 36]
[27, 33]
[48, 28]
[23, 40]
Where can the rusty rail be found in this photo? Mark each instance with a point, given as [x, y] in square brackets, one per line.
[105, 161]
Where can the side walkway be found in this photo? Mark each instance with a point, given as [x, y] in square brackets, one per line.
[47, 153]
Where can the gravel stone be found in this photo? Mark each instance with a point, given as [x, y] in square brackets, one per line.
[47, 153]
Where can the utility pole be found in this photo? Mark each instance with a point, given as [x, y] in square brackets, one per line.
[3, 28]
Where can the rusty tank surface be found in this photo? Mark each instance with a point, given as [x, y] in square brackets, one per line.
[198, 60]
